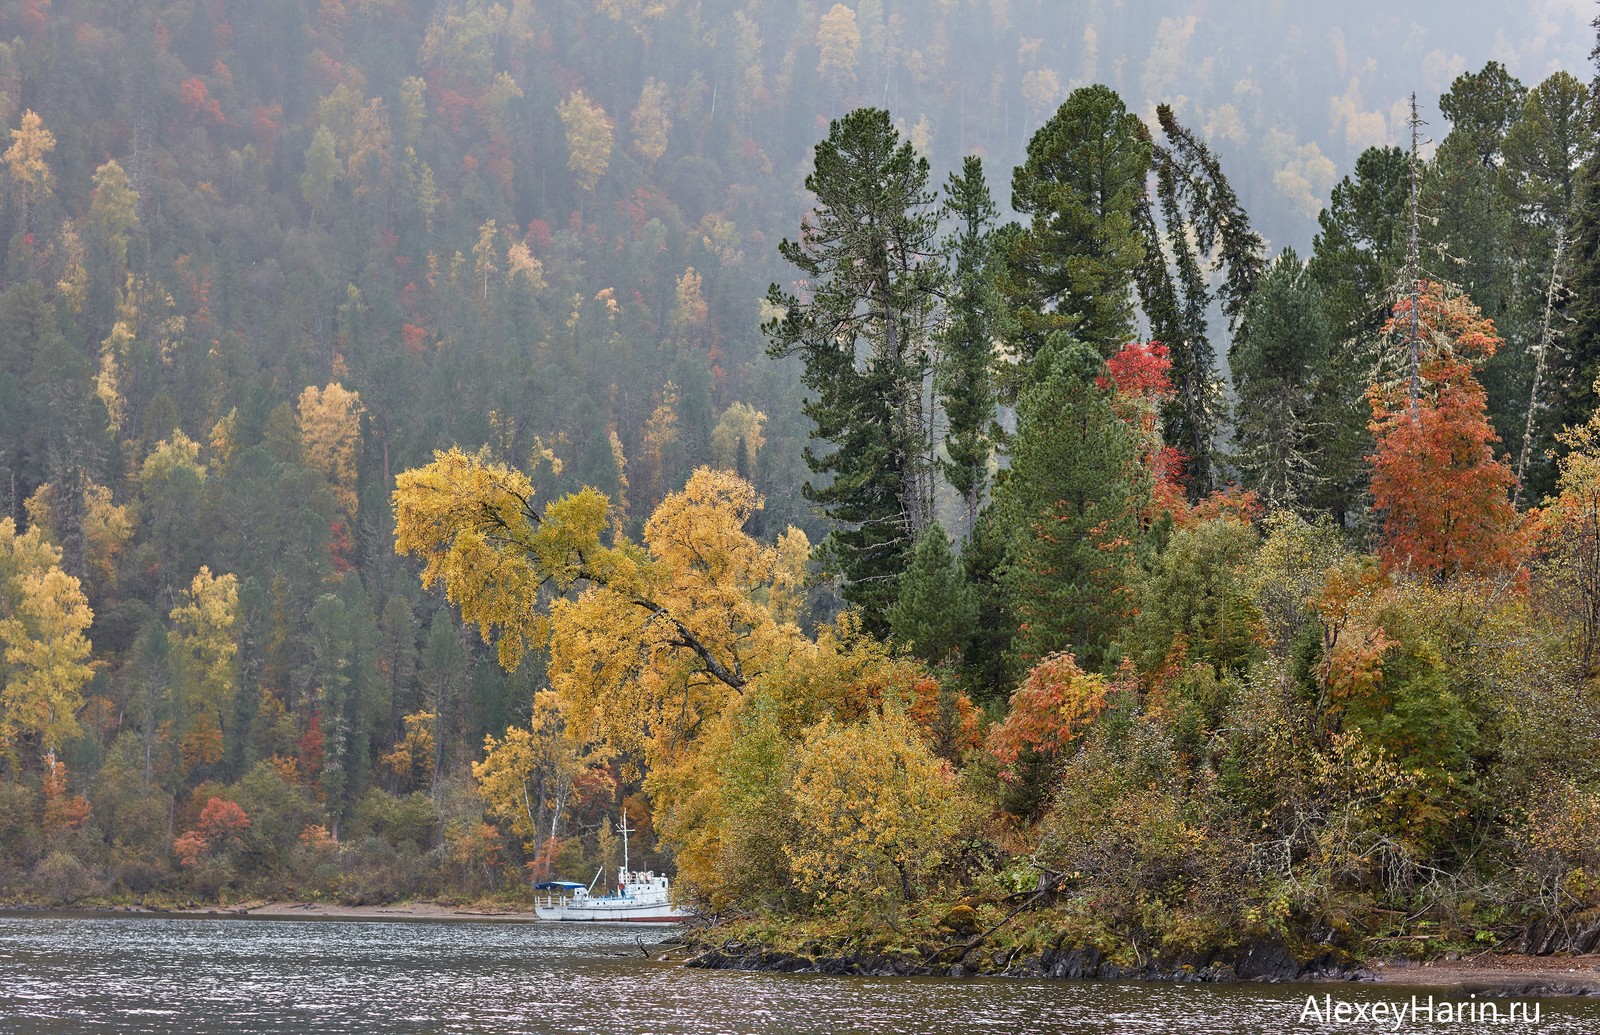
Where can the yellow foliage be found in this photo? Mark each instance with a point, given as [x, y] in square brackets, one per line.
[690, 310]
[588, 131]
[839, 42]
[660, 435]
[692, 607]
[520, 263]
[740, 424]
[411, 761]
[330, 438]
[43, 621]
[105, 526]
[74, 282]
[224, 439]
[169, 457]
[31, 144]
[527, 777]
[203, 653]
[875, 812]
[651, 122]
[473, 524]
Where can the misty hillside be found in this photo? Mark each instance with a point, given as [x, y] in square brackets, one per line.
[354, 352]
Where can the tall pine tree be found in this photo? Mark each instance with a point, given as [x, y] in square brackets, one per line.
[1072, 267]
[1278, 364]
[1069, 509]
[868, 254]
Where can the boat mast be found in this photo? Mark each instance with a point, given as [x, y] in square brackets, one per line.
[622, 828]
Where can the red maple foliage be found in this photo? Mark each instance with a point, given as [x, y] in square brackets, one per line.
[1142, 370]
[312, 745]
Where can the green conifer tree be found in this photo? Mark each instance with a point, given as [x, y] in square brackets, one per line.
[870, 258]
[1278, 364]
[936, 609]
[1068, 508]
[1071, 268]
[965, 378]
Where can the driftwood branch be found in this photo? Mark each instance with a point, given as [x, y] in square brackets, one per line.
[1050, 884]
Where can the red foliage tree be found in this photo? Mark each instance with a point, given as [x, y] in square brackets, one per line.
[1443, 493]
[1140, 375]
[1055, 703]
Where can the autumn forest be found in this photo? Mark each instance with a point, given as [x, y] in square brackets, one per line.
[921, 498]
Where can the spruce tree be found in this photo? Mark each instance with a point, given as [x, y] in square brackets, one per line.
[936, 609]
[1202, 231]
[1357, 262]
[1545, 151]
[1068, 509]
[964, 379]
[1278, 365]
[1573, 397]
[869, 256]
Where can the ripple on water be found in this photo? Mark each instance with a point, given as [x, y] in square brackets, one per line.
[150, 976]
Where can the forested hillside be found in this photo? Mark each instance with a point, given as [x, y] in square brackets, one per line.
[893, 477]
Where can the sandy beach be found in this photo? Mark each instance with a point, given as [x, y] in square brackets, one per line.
[1506, 975]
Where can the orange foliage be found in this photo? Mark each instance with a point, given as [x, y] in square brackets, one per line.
[1443, 493]
[62, 811]
[415, 338]
[221, 823]
[190, 848]
[288, 769]
[1230, 504]
[311, 748]
[35, 15]
[203, 743]
[316, 837]
[222, 820]
[195, 97]
[1140, 377]
[949, 719]
[1054, 705]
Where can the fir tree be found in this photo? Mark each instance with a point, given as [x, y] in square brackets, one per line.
[1276, 366]
[1573, 393]
[1072, 267]
[1206, 232]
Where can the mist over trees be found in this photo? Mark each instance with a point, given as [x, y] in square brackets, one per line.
[999, 439]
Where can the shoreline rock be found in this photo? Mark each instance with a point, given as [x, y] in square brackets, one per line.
[1260, 961]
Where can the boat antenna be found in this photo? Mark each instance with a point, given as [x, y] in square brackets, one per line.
[622, 828]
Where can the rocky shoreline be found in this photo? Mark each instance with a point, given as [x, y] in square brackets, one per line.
[1262, 961]
[1503, 975]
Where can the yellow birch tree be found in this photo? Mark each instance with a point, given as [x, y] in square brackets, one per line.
[651, 123]
[27, 161]
[330, 438]
[44, 619]
[203, 654]
[589, 138]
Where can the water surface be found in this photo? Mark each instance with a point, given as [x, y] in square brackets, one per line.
[158, 975]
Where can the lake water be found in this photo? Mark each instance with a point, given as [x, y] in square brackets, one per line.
[149, 975]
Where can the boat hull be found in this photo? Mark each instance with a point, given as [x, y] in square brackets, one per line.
[640, 914]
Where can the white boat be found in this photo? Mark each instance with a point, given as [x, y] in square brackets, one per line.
[642, 897]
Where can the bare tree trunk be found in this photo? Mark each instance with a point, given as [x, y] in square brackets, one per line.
[1540, 352]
